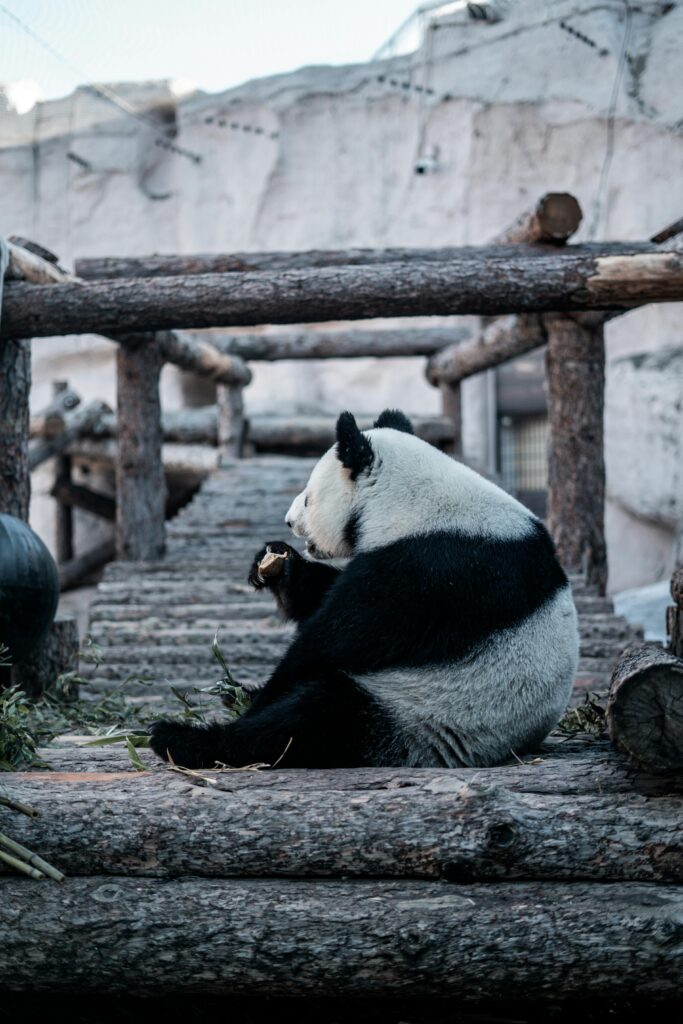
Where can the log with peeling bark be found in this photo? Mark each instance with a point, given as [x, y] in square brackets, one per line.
[495, 282]
[546, 820]
[140, 482]
[554, 219]
[576, 459]
[113, 267]
[501, 340]
[645, 707]
[80, 423]
[15, 385]
[350, 343]
[380, 938]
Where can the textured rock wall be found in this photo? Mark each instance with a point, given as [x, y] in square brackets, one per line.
[326, 157]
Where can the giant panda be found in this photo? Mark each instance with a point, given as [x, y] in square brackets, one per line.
[449, 639]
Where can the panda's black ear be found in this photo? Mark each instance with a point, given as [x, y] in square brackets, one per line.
[354, 450]
[395, 419]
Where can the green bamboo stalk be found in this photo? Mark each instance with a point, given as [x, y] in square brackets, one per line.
[19, 865]
[22, 808]
[31, 858]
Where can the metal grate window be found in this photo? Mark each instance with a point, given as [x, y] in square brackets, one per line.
[523, 458]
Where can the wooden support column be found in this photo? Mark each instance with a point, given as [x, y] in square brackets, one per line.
[140, 482]
[15, 386]
[231, 423]
[451, 407]
[64, 527]
[576, 470]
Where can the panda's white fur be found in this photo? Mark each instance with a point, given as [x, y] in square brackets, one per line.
[449, 639]
[511, 693]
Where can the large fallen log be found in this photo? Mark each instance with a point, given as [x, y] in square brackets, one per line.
[502, 282]
[538, 821]
[112, 267]
[645, 707]
[369, 938]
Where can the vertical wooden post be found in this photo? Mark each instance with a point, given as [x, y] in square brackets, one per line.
[15, 386]
[674, 617]
[140, 482]
[64, 530]
[576, 469]
[451, 405]
[231, 424]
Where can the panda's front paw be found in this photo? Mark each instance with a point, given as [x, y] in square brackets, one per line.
[271, 564]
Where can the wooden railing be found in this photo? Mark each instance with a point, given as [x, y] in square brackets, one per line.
[549, 293]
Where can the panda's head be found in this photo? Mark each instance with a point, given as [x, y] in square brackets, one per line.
[331, 512]
[381, 485]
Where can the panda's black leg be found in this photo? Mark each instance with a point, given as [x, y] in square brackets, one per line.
[328, 723]
[300, 586]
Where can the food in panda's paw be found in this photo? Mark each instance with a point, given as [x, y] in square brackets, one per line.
[272, 564]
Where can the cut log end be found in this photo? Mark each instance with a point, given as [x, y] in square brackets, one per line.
[645, 707]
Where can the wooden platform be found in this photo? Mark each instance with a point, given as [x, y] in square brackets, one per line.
[158, 619]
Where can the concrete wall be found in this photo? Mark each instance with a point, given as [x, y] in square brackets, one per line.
[325, 157]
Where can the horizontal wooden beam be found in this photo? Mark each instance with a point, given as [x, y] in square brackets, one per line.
[557, 280]
[347, 343]
[112, 267]
[202, 358]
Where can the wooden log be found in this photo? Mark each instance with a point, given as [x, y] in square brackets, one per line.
[113, 267]
[350, 343]
[371, 938]
[497, 283]
[576, 460]
[542, 823]
[501, 340]
[202, 358]
[64, 527]
[27, 265]
[78, 424]
[75, 571]
[55, 655]
[70, 495]
[15, 386]
[54, 417]
[451, 405]
[553, 220]
[140, 481]
[645, 707]
[231, 424]
[674, 616]
[184, 459]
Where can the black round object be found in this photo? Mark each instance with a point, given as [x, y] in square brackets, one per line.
[29, 587]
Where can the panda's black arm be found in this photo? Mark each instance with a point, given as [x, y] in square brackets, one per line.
[300, 587]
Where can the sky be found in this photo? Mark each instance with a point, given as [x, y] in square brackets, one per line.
[213, 44]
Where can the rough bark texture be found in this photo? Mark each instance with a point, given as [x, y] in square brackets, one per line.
[576, 464]
[333, 937]
[140, 481]
[546, 822]
[15, 386]
[490, 284]
[202, 358]
[76, 425]
[500, 341]
[231, 425]
[675, 615]
[55, 655]
[64, 399]
[73, 572]
[175, 266]
[339, 344]
[645, 707]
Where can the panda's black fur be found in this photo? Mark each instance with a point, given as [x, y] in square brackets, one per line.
[401, 657]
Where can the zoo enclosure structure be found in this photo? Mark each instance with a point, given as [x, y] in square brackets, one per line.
[561, 876]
